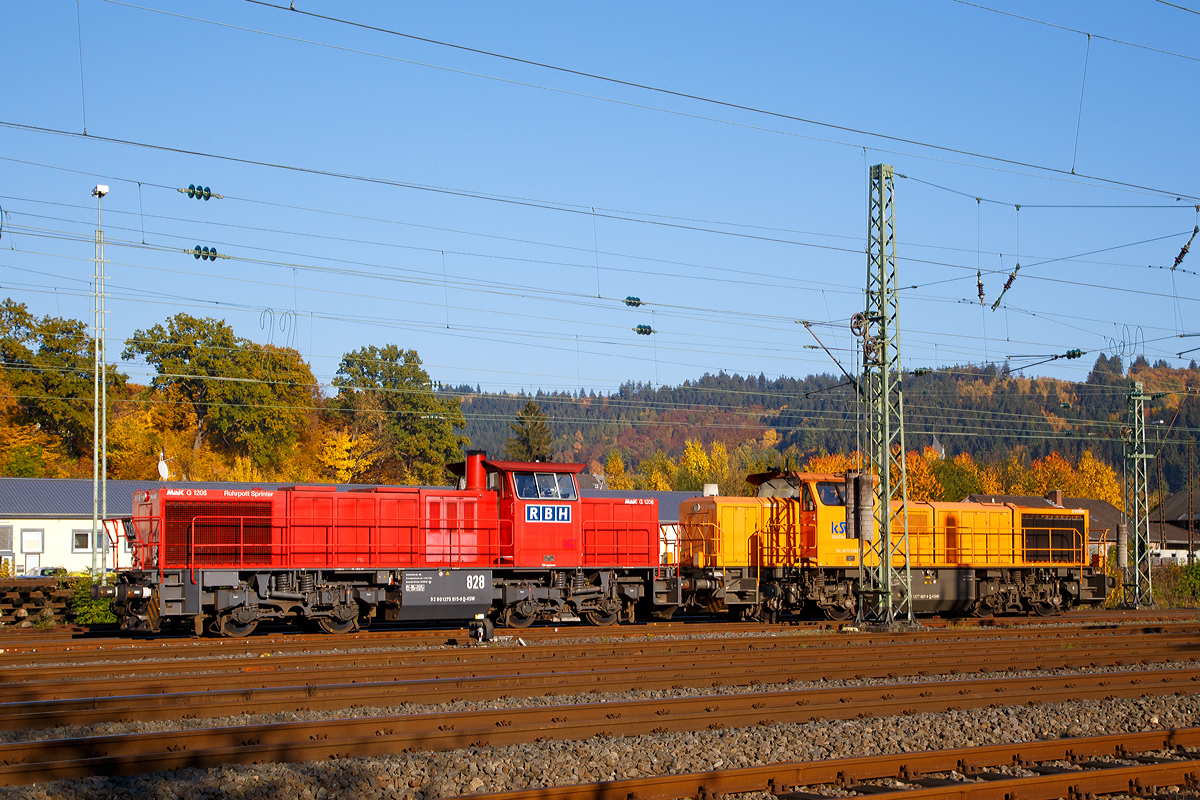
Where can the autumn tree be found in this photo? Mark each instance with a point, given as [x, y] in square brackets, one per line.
[834, 463]
[48, 365]
[1050, 472]
[693, 469]
[348, 456]
[384, 392]
[1098, 480]
[656, 473]
[615, 476]
[922, 483]
[962, 476]
[532, 438]
[255, 398]
[27, 451]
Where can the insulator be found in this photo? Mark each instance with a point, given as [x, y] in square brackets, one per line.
[191, 192]
[633, 302]
[643, 330]
[866, 507]
[851, 505]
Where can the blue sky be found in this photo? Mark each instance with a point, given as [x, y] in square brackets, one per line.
[730, 224]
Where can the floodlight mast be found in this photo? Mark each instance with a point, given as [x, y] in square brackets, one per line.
[99, 396]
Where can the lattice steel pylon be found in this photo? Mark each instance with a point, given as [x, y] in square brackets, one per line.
[885, 587]
[1137, 502]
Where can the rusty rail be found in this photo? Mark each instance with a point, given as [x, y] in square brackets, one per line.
[29, 762]
[1092, 777]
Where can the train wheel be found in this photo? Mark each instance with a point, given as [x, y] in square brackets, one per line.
[600, 619]
[1044, 609]
[229, 628]
[838, 614]
[331, 625]
[514, 619]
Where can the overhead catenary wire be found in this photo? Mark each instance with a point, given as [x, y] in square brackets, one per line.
[227, 304]
[687, 95]
[292, 265]
[1076, 30]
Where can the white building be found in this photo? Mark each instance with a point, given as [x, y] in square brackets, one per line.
[47, 522]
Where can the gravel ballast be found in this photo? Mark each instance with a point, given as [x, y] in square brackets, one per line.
[417, 776]
[546, 700]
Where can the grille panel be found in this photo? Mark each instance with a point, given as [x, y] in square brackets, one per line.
[218, 533]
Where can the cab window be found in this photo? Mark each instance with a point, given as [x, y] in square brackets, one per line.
[832, 494]
[807, 499]
[544, 486]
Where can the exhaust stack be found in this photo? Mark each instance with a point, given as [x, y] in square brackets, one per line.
[476, 474]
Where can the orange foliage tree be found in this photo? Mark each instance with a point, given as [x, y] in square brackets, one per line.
[834, 463]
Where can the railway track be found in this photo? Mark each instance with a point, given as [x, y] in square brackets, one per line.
[91, 658]
[1138, 764]
[234, 697]
[149, 690]
[83, 641]
[36, 761]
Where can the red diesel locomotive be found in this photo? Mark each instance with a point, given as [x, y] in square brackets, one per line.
[514, 542]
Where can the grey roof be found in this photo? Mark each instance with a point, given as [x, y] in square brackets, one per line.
[668, 502]
[66, 498]
[1175, 507]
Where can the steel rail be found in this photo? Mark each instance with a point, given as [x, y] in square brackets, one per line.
[143, 663]
[1092, 778]
[35, 761]
[20, 640]
[645, 670]
[381, 694]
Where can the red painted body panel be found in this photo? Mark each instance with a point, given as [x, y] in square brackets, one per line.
[316, 527]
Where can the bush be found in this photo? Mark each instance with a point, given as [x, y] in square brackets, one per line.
[1176, 586]
[85, 610]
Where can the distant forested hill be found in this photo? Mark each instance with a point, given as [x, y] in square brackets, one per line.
[987, 412]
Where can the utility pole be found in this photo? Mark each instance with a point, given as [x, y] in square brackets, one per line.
[1191, 544]
[99, 397]
[885, 593]
[1137, 511]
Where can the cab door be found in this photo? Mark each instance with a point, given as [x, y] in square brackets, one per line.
[808, 521]
[546, 524]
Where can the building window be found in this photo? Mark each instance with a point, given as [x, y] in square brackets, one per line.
[32, 540]
[79, 541]
[6, 545]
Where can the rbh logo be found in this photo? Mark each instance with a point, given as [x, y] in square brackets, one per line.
[547, 513]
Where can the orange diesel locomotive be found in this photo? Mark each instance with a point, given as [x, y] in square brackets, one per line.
[787, 551]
